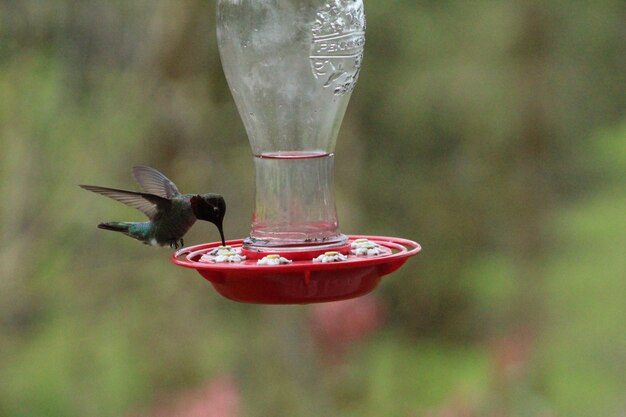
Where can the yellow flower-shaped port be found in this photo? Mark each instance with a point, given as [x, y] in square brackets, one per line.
[273, 259]
[330, 257]
[365, 247]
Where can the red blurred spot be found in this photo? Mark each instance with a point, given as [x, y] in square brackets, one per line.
[338, 326]
[511, 354]
[219, 398]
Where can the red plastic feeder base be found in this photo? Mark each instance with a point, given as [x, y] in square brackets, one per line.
[301, 281]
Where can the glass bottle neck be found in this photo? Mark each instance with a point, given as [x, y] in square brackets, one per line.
[295, 206]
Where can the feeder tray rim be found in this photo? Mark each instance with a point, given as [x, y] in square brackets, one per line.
[405, 248]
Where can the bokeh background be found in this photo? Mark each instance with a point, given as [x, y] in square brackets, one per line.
[492, 132]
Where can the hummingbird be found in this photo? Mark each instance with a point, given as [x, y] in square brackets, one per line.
[170, 213]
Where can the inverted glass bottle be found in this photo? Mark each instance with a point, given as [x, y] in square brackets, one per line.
[291, 66]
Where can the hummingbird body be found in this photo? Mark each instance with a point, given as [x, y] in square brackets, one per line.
[166, 228]
[170, 213]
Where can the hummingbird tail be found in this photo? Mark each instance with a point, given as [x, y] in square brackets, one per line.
[137, 230]
[114, 226]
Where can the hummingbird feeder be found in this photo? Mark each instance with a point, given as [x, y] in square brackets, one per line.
[291, 66]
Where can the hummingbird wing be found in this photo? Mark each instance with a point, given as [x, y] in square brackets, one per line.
[148, 204]
[153, 182]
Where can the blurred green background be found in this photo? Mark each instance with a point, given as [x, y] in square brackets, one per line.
[492, 132]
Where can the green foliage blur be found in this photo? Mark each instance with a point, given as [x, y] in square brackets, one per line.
[492, 132]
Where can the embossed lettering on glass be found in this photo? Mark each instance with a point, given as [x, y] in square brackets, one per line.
[291, 66]
[337, 49]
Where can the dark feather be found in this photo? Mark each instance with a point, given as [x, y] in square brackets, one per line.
[144, 202]
[153, 182]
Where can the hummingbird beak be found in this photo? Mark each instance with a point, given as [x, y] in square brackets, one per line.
[220, 228]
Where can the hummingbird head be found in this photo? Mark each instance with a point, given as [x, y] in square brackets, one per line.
[212, 208]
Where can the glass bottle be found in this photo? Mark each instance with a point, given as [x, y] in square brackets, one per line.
[291, 66]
